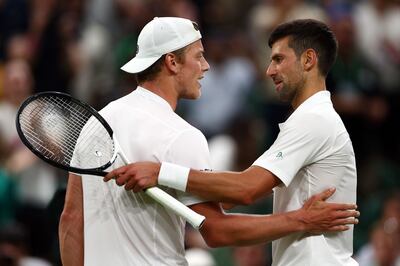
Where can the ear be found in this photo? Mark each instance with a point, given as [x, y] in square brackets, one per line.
[309, 59]
[171, 63]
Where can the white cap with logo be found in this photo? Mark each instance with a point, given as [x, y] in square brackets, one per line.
[160, 36]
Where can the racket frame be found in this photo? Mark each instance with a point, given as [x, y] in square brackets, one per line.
[91, 171]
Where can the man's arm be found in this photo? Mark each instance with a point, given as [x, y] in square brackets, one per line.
[231, 187]
[315, 216]
[71, 224]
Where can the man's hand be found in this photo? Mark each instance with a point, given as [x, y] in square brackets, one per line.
[319, 216]
[135, 176]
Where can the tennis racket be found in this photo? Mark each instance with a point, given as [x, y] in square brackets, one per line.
[73, 136]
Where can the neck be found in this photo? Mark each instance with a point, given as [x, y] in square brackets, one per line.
[310, 88]
[164, 89]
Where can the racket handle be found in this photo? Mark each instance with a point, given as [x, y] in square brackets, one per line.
[166, 200]
[162, 197]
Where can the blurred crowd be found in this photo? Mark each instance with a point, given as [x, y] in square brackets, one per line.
[78, 46]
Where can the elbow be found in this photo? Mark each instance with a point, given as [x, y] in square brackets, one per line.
[247, 199]
[213, 241]
[70, 213]
[249, 191]
[69, 219]
[248, 196]
[67, 216]
[215, 235]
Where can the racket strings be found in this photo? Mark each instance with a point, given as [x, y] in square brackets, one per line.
[35, 125]
[45, 140]
[51, 124]
[66, 133]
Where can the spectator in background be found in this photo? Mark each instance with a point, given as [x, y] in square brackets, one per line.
[14, 19]
[8, 189]
[54, 31]
[383, 248]
[354, 83]
[36, 180]
[18, 85]
[20, 47]
[14, 248]
[94, 77]
[265, 16]
[377, 24]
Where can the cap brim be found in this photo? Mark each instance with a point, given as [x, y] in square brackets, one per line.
[137, 65]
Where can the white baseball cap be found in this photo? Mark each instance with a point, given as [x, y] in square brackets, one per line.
[160, 36]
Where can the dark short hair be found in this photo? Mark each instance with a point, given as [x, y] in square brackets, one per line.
[152, 71]
[308, 33]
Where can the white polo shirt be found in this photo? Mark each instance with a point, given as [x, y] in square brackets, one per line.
[312, 152]
[124, 228]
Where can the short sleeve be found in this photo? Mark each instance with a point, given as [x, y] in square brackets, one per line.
[189, 149]
[299, 143]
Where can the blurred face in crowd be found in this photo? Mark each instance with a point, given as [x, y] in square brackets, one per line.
[190, 70]
[384, 246]
[285, 70]
[17, 81]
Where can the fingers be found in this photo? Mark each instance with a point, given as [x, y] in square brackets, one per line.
[324, 195]
[347, 214]
[309, 202]
[339, 228]
[342, 206]
[345, 221]
[130, 184]
[333, 228]
[122, 179]
[320, 197]
[114, 173]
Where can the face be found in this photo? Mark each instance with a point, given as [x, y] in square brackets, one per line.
[191, 70]
[17, 81]
[285, 71]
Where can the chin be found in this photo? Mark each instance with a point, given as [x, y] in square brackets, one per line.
[191, 96]
[194, 96]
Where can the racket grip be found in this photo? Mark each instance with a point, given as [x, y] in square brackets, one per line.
[166, 200]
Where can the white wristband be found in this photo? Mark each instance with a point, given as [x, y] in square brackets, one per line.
[173, 176]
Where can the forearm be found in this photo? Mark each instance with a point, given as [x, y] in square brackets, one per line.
[232, 187]
[71, 240]
[240, 230]
[71, 224]
[218, 186]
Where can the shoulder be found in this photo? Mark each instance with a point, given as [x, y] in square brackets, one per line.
[314, 123]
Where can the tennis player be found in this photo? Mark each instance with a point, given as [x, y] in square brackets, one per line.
[125, 228]
[313, 150]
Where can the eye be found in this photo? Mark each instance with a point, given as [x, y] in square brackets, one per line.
[278, 59]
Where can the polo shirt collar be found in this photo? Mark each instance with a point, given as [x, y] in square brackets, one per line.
[153, 97]
[318, 98]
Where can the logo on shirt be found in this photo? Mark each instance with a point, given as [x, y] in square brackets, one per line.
[279, 155]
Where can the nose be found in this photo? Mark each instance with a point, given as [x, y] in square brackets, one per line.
[205, 66]
[271, 71]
